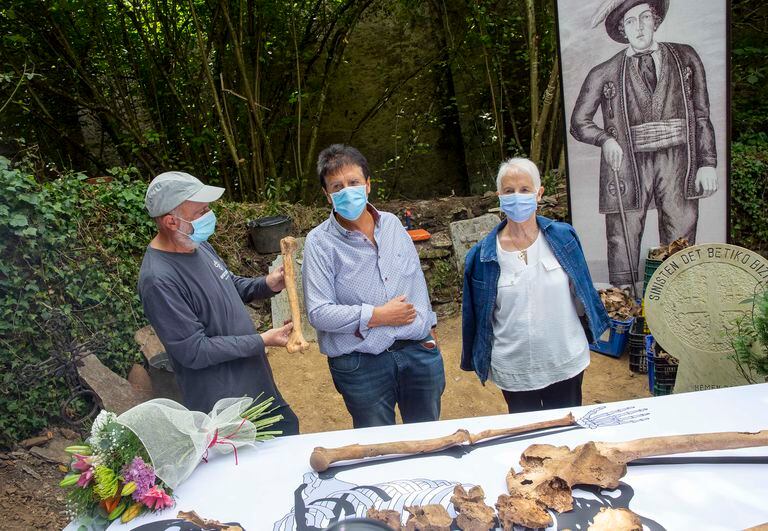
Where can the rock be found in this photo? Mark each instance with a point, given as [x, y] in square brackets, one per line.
[441, 240]
[35, 441]
[149, 344]
[432, 254]
[466, 233]
[116, 394]
[281, 311]
[31, 472]
[139, 378]
[69, 434]
[53, 452]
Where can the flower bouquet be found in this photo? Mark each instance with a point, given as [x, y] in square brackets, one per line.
[131, 463]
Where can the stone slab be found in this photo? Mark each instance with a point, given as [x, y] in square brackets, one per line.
[116, 394]
[53, 451]
[149, 343]
[692, 304]
[467, 232]
[281, 310]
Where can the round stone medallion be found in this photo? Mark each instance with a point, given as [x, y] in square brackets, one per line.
[693, 303]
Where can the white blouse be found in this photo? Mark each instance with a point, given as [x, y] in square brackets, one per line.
[538, 339]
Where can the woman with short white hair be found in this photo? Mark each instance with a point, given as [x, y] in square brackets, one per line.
[529, 307]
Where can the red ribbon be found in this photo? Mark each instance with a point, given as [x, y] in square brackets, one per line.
[223, 440]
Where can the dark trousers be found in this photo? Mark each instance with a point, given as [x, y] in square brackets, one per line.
[412, 377]
[290, 423]
[662, 178]
[566, 393]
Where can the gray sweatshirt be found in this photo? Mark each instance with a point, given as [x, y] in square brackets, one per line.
[196, 307]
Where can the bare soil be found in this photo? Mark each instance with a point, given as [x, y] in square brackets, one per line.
[29, 493]
[305, 382]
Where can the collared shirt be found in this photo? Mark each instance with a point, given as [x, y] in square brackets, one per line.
[655, 55]
[345, 276]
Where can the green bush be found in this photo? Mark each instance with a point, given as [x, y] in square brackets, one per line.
[749, 192]
[68, 250]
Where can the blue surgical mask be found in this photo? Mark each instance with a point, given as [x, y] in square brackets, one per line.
[518, 207]
[202, 227]
[350, 202]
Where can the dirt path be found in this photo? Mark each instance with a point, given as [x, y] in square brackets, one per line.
[29, 493]
[305, 382]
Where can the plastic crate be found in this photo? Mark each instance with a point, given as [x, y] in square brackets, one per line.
[649, 355]
[664, 375]
[650, 268]
[646, 331]
[638, 361]
[614, 341]
[662, 370]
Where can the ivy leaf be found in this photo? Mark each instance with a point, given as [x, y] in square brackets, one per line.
[18, 220]
[29, 198]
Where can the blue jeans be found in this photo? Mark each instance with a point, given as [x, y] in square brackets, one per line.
[371, 384]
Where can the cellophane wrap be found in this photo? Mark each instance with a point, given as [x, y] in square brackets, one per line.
[177, 439]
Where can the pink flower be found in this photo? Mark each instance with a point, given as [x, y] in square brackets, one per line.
[82, 463]
[85, 478]
[157, 499]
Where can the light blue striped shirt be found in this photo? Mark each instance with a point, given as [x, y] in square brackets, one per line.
[345, 276]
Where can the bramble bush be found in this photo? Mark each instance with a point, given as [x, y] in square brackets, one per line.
[68, 250]
[749, 192]
[71, 250]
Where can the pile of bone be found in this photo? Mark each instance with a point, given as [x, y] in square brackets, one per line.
[474, 515]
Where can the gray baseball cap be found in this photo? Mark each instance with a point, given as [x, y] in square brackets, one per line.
[170, 189]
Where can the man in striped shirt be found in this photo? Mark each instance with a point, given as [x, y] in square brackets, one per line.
[366, 296]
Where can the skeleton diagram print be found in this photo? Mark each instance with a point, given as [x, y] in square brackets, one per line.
[644, 133]
[326, 497]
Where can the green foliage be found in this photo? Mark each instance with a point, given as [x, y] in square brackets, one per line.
[749, 70]
[750, 342]
[749, 192]
[442, 280]
[72, 250]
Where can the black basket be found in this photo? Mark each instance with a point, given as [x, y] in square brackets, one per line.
[638, 361]
[664, 375]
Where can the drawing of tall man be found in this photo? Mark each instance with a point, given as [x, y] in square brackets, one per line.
[656, 133]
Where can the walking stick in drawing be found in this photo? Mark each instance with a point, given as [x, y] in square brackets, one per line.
[627, 246]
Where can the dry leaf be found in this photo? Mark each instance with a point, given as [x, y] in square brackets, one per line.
[619, 303]
[665, 251]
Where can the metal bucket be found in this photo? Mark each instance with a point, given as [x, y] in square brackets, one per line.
[266, 233]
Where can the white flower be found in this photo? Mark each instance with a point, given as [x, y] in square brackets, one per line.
[103, 419]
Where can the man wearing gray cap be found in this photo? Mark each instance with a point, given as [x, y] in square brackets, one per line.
[195, 304]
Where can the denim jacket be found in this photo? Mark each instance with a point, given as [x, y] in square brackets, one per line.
[481, 276]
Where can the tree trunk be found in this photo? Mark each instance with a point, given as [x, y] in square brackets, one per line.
[533, 61]
[546, 105]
